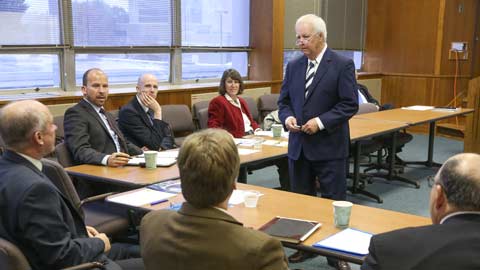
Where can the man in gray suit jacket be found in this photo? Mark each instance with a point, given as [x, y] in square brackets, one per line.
[35, 215]
[202, 234]
[91, 133]
[453, 241]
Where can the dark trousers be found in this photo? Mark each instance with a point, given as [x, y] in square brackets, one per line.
[331, 175]
[126, 256]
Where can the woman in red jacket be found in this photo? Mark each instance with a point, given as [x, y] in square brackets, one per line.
[229, 111]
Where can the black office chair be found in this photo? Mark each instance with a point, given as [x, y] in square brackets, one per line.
[106, 218]
[196, 108]
[12, 258]
[180, 119]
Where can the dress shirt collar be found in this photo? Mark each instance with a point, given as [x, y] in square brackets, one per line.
[457, 214]
[37, 163]
[230, 99]
[145, 108]
[319, 57]
[95, 107]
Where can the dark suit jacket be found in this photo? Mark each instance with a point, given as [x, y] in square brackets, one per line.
[455, 244]
[205, 239]
[88, 138]
[332, 97]
[37, 218]
[135, 125]
[223, 114]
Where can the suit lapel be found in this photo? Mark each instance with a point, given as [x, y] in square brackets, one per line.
[93, 113]
[141, 111]
[321, 71]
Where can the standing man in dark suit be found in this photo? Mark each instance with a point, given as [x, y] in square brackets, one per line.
[317, 98]
[141, 119]
[202, 234]
[35, 215]
[91, 133]
[453, 241]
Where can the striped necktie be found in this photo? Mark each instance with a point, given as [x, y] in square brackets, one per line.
[310, 75]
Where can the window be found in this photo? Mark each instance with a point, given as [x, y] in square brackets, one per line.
[29, 71]
[124, 68]
[122, 23]
[34, 22]
[212, 65]
[215, 23]
[123, 37]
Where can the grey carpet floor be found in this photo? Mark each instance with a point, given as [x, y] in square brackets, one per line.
[397, 196]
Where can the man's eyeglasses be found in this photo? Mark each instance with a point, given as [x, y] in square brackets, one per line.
[303, 39]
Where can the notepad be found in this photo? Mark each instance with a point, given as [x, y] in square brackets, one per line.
[139, 197]
[349, 240]
[418, 108]
[290, 229]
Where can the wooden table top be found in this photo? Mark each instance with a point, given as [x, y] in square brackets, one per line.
[281, 203]
[135, 176]
[363, 128]
[412, 117]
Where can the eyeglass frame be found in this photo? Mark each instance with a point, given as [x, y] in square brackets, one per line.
[304, 39]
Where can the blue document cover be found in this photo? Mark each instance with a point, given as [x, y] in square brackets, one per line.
[350, 240]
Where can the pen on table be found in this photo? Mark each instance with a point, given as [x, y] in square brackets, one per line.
[158, 202]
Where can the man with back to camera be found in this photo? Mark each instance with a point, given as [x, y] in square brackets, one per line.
[317, 98]
[140, 120]
[453, 241]
[91, 133]
[35, 215]
[202, 234]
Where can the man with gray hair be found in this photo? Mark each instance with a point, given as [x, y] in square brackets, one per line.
[317, 99]
[35, 216]
[453, 241]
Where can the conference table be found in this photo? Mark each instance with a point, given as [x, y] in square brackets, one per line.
[417, 117]
[133, 176]
[287, 204]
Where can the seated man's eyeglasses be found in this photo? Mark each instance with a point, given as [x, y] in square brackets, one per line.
[304, 39]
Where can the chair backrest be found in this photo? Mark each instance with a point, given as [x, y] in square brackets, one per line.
[196, 108]
[180, 119]
[2, 145]
[61, 180]
[202, 116]
[114, 113]
[367, 108]
[63, 155]
[12, 258]
[59, 133]
[266, 104]
[252, 106]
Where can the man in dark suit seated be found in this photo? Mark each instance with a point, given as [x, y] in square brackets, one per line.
[141, 119]
[453, 242]
[202, 234]
[91, 133]
[35, 215]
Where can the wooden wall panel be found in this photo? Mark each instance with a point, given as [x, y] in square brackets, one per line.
[459, 25]
[401, 36]
[266, 38]
[472, 135]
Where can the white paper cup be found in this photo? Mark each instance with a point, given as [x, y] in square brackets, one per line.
[277, 130]
[251, 198]
[341, 213]
[150, 159]
[257, 144]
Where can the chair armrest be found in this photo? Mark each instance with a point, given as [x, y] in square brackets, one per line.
[89, 265]
[96, 198]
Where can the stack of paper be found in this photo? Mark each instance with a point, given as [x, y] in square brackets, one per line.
[143, 196]
[349, 240]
